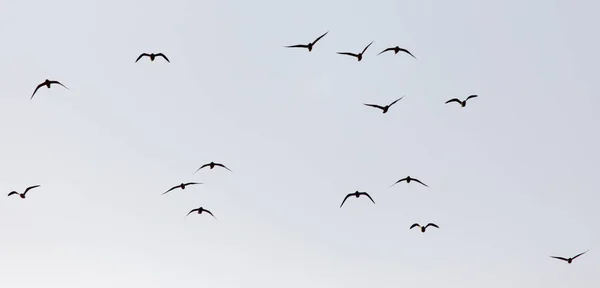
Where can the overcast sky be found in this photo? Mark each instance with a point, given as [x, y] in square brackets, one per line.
[512, 175]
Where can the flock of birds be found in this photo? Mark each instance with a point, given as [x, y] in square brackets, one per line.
[356, 194]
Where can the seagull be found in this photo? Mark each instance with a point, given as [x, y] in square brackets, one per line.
[423, 227]
[408, 179]
[182, 186]
[359, 55]
[200, 210]
[569, 260]
[384, 108]
[462, 103]
[212, 165]
[357, 194]
[396, 50]
[23, 194]
[309, 46]
[47, 84]
[152, 56]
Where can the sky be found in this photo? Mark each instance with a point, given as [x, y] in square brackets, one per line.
[511, 175]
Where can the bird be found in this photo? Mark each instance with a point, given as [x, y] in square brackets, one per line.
[22, 195]
[569, 260]
[408, 179]
[182, 186]
[152, 56]
[384, 108]
[46, 83]
[462, 103]
[357, 194]
[212, 165]
[396, 50]
[423, 227]
[359, 55]
[309, 46]
[200, 210]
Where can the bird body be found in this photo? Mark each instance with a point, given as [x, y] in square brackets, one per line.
[358, 56]
[152, 56]
[22, 195]
[423, 227]
[462, 103]
[357, 194]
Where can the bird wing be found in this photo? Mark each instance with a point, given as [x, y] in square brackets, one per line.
[29, 188]
[297, 46]
[472, 96]
[56, 82]
[345, 200]
[453, 100]
[395, 101]
[579, 254]
[174, 187]
[366, 194]
[201, 167]
[414, 225]
[419, 181]
[192, 211]
[348, 53]
[140, 57]
[388, 49]
[374, 105]
[221, 165]
[13, 193]
[431, 224]
[561, 258]
[403, 179]
[366, 48]
[163, 55]
[407, 52]
[36, 88]
[314, 42]
[191, 183]
[210, 213]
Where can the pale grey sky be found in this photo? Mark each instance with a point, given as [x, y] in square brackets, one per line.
[511, 175]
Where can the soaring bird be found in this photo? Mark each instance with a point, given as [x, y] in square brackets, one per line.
[359, 55]
[384, 108]
[396, 50]
[47, 84]
[212, 165]
[569, 260]
[152, 56]
[309, 46]
[408, 179]
[182, 186]
[423, 227]
[200, 210]
[357, 194]
[462, 103]
[23, 194]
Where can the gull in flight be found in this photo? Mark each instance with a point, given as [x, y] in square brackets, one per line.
[359, 55]
[384, 108]
[569, 260]
[181, 186]
[152, 56]
[423, 227]
[357, 194]
[462, 103]
[408, 179]
[396, 50]
[22, 195]
[212, 165]
[200, 210]
[46, 83]
[309, 46]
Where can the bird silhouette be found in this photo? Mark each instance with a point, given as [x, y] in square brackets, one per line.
[396, 50]
[569, 260]
[462, 103]
[212, 165]
[356, 194]
[181, 186]
[423, 227]
[200, 210]
[152, 56]
[46, 83]
[408, 179]
[309, 46]
[22, 195]
[384, 108]
[358, 56]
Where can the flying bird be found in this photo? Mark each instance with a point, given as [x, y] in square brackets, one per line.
[23, 194]
[359, 55]
[569, 260]
[423, 227]
[46, 83]
[408, 179]
[357, 194]
[384, 108]
[462, 103]
[396, 50]
[152, 56]
[182, 186]
[212, 165]
[200, 210]
[309, 46]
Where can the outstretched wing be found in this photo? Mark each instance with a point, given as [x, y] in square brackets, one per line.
[407, 52]
[419, 181]
[348, 53]
[414, 225]
[192, 211]
[374, 105]
[395, 101]
[431, 224]
[200, 168]
[297, 46]
[403, 179]
[174, 187]
[13, 193]
[366, 48]
[221, 165]
[36, 88]
[163, 55]
[314, 42]
[29, 188]
[388, 49]
[210, 213]
[453, 100]
[561, 258]
[579, 254]
[56, 82]
[345, 200]
[140, 57]
[366, 194]
[472, 96]
[191, 183]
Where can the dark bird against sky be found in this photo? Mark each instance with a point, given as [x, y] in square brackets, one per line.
[384, 108]
[309, 46]
[423, 227]
[462, 103]
[408, 179]
[357, 194]
[46, 83]
[200, 210]
[569, 260]
[22, 195]
[212, 165]
[358, 56]
[396, 50]
[181, 186]
[152, 56]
